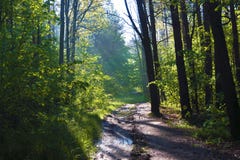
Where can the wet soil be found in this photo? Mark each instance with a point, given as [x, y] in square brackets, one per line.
[116, 142]
[130, 133]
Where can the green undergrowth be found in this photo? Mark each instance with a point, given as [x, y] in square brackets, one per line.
[53, 113]
[210, 126]
[86, 127]
[63, 137]
[214, 128]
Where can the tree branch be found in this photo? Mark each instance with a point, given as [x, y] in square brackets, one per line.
[131, 19]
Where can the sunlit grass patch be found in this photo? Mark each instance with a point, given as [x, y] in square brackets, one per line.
[86, 127]
[132, 98]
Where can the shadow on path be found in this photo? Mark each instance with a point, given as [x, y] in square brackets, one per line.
[130, 130]
[164, 142]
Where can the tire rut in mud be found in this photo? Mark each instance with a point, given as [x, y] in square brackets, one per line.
[116, 142]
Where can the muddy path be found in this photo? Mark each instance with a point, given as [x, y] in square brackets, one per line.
[129, 133]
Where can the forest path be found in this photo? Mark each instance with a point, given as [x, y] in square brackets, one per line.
[130, 133]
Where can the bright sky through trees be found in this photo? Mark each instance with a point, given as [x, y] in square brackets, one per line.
[120, 8]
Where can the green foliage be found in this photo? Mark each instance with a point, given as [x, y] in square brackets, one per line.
[117, 60]
[211, 124]
[169, 76]
[50, 117]
[47, 111]
[214, 129]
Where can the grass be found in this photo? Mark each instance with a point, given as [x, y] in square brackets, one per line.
[173, 114]
[87, 129]
[132, 98]
[208, 126]
[70, 135]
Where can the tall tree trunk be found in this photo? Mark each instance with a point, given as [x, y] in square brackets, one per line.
[61, 46]
[153, 89]
[235, 49]
[226, 77]
[155, 48]
[198, 11]
[1, 18]
[154, 40]
[188, 47]
[208, 56]
[67, 38]
[74, 29]
[182, 77]
[10, 21]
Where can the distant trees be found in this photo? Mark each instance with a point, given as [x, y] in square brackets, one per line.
[109, 45]
[118, 62]
[72, 19]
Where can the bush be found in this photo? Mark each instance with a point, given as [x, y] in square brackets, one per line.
[50, 113]
[215, 129]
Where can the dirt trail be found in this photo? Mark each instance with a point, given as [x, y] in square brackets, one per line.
[130, 133]
[116, 142]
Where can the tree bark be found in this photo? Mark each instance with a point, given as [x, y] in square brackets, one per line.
[198, 11]
[208, 56]
[153, 89]
[61, 44]
[154, 40]
[155, 48]
[188, 47]
[225, 74]
[235, 49]
[74, 29]
[67, 38]
[182, 78]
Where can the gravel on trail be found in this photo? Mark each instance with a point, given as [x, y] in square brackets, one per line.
[130, 133]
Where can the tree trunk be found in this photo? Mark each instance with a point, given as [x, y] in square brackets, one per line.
[61, 47]
[235, 49]
[74, 29]
[182, 78]
[154, 41]
[153, 89]
[67, 40]
[188, 47]
[208, 56]
[225, 74]
[155, 48]
[198, 11]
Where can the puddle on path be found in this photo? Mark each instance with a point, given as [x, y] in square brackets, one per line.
[116, 142]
